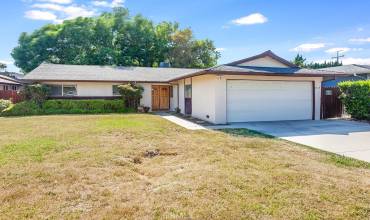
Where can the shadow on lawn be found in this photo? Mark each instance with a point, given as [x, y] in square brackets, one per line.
[246, 133]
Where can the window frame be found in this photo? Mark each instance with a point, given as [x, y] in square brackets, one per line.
[62, 85]
[187, 90]
[113, 93]
[69, 85]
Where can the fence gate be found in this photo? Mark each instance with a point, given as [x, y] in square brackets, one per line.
[332, 107]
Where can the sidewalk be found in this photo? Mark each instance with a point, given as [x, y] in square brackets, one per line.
[181, 122]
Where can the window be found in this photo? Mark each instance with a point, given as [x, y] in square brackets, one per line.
[187, 91]
[14, 88]
[55, 90]
[6, 88]
[69, 90]
[115, 90]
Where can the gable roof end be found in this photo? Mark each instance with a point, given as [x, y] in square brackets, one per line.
[268, 53]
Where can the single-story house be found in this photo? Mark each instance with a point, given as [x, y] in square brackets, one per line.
[264, 87]
[355, 72]
[9, 84]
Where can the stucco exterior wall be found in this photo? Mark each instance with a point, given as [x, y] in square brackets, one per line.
[181, 95]
[174, 99]
[203, 97]
[105, 89]
[209, 94]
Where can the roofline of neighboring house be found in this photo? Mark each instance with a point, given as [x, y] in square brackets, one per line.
[4, 83]
[217, 72]
[11, 79]
[268, 53]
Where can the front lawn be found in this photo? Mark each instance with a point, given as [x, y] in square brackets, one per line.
[143, 167]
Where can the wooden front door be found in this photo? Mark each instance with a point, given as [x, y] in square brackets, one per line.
[332, 107]
[160, 98]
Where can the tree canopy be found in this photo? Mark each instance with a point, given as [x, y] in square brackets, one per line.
[300, 61]
[114, 38]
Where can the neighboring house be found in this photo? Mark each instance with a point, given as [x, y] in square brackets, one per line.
[260, 88]
[13, 75]
[9, 84]
[355, 72]
[331, 104]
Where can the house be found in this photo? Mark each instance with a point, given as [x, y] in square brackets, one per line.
[355, 72]
[264, 87]
[10, 84]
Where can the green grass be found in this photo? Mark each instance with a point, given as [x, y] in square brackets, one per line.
[347, 161]
[96, 167]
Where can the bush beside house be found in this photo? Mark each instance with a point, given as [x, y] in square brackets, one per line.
[356, 98]
[51, 107]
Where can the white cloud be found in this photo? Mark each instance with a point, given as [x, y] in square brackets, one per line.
[340, 49]
[360, 40]
[65, 12]
[357, 49]
[255, 18]
[57, 1]
[220, 49]
[117, 3]
[41, 15]
[351, 60]
[103, 3]
[7, 62]
[49, 6]
[77, 11]
[308, 47]
[359, 29]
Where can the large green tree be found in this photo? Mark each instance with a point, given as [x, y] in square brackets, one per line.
[114, 38]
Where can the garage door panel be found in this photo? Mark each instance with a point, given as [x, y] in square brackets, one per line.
[268, 100]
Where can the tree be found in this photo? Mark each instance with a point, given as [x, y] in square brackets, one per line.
[114, 38]
[131, 94]
[3, 66]
[37, 93]
[299, 60]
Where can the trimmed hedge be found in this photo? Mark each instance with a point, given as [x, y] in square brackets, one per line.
[51, 107]
[356, 98]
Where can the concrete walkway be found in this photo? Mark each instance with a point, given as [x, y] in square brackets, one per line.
[181, 122]
[342, 137]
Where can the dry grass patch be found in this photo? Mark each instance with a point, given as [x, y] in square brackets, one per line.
[143, 167]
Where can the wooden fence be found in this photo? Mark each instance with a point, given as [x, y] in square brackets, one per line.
[10, 95]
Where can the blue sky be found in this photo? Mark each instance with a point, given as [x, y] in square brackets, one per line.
[239, 28]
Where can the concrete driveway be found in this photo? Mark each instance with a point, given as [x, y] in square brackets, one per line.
[342, 137]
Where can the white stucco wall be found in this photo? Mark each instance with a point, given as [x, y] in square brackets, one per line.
[204, 96]
[209, 94]
[264, 62]
[105, 89]
[174, 99]
[181, 96]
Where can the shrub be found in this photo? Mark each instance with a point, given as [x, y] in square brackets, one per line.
[356, 98]
[131, 94]
[66, 107]
[4, 104]
[22, 109]
[37, 93]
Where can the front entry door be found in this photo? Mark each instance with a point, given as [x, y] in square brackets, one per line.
[160, 98]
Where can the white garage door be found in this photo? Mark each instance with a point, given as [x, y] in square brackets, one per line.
[249, 100]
